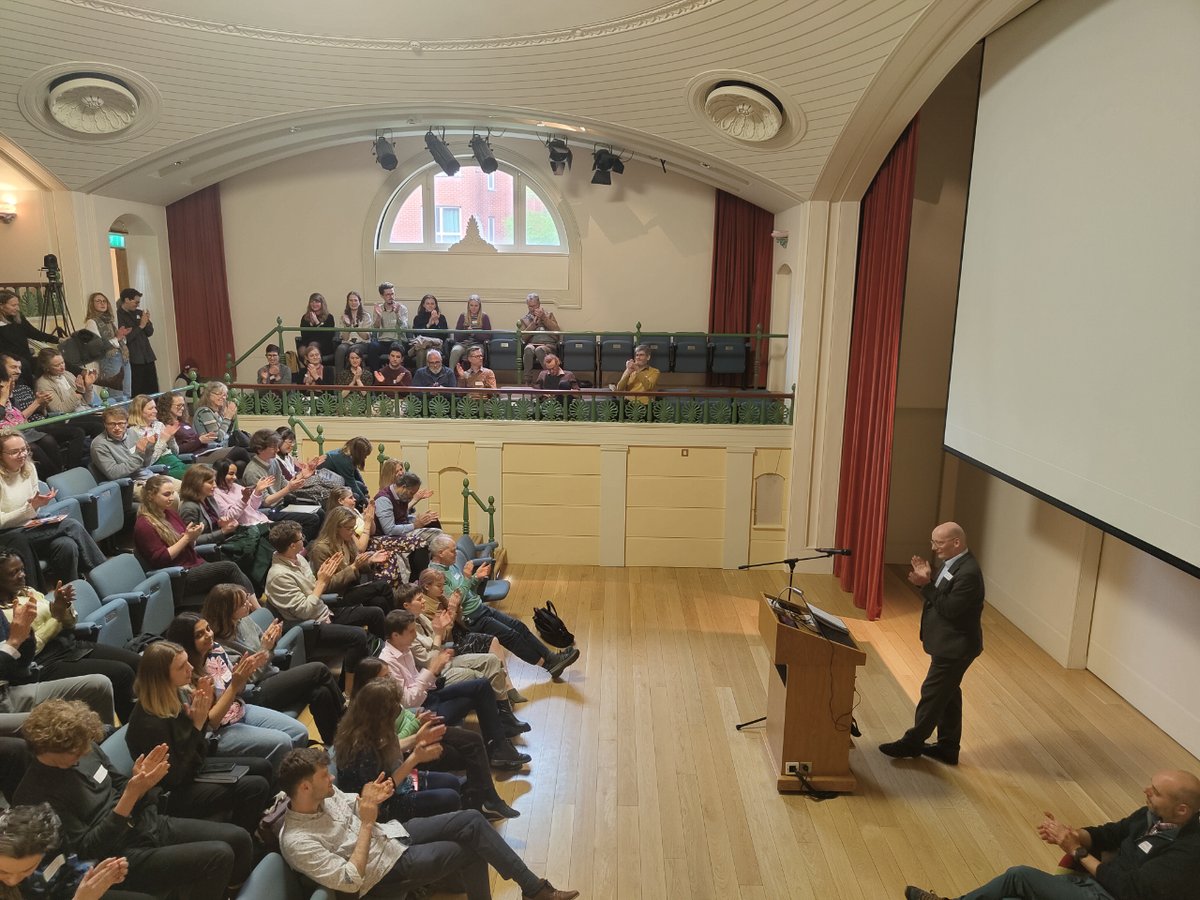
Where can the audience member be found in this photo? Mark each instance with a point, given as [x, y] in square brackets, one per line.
[295, 593]
[57, 652]
[356, 374]
[339, 843]
[540, 332]
[391, 317]
[16, 332]
[68, 393]
[67, 547]
[367, 747]
[162, 539]
[143, 371]
[1155, 853]
[357, 322]
[120, 452]
[317, 316]
[393, 373]
[433, 373]
[241, 728]
[349, 462]
[27, 835]
[554, 377]
[473, 327]
[313, 369]
[477, 616]
[165, 716]
[424, 687]
[106, 814]
[264, 445]
[639, 376]
[463, 749]
[35, 406]
[356, 579]
[234, 500]
[47, 454]
[114, 371]
[276, 371]
[430, 330]
[214, 417]
[144, 422]
[476, 375]
[227, 610]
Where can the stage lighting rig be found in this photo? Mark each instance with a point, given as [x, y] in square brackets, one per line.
[385, 153]
[442, 155]
[604, 163]
[560, 155]
[483, 154]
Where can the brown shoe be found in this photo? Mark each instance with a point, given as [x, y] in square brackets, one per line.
[916, 893]
[550, 892]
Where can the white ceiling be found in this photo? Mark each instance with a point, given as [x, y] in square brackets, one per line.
[244, 83]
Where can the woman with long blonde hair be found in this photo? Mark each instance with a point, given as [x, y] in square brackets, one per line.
[161, 539]
[357, 580]
[144, 420]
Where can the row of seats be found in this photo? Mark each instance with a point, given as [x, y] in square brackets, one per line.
[582, 353]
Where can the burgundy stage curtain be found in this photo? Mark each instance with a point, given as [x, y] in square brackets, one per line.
[203, 324]
[741, 276]
[883, 235]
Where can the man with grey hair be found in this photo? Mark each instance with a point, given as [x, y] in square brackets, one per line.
[540, 332]
[952, 635]
[463, 599]
[433, 373]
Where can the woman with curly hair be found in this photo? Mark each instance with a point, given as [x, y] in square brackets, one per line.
[100, 319]
[367, 745]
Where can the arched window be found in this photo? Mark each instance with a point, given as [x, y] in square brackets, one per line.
[431, 211]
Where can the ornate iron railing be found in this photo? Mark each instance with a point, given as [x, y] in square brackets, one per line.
[690, 407]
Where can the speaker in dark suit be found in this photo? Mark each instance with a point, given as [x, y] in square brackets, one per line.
[952, 635]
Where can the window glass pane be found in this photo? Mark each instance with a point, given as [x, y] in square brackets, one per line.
[448, 220]
[407, 226]
[469, 193]
[540, 230]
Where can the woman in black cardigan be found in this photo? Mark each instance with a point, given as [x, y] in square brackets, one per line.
[317, 315]
[16, 332]
[163, 717]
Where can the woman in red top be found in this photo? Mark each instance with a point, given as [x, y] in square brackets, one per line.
[162, 539]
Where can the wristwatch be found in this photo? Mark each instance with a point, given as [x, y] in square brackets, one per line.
[1081, 853]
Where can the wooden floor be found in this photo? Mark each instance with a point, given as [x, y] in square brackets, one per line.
[640, 787]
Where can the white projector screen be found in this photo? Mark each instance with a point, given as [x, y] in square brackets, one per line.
[1076, 366]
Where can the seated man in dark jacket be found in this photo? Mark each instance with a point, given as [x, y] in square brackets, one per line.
[104, 814]
[433, 373]
[1155, 853]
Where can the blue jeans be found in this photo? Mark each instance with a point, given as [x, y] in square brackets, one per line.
[264, 733]
[1028, 883]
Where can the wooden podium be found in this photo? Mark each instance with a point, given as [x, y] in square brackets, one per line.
[810, 698]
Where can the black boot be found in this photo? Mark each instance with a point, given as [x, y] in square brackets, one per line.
[503, 755]
[495, 806]
[511, 724]
[557, 662]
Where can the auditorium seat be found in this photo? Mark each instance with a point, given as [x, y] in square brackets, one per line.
[660, 350]
[502, 351]
[691, 354]
[100, 503]
[579, 356]
[615, 351]
[729, 355]
[109, 618]
[150, 596]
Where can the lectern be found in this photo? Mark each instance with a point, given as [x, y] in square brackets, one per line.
[810, 698]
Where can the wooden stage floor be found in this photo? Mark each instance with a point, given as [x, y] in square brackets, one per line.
[641, 788]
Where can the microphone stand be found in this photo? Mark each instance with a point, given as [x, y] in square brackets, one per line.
[791, 564]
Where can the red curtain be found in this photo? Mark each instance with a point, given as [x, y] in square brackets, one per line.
[203, 324]
[874, 360]
[741, 277]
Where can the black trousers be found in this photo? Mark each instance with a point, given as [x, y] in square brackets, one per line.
[454, 850]
[368, 617]
[199, 580]
[116, 664]
[197, 860]
[70, 442]
[463, 751]
[454, 701]
[143, 378]
[347, 640]
[241, 804]
[372, 593]
[310, 523]
[940, 706]
[68, 549]
[311, 685]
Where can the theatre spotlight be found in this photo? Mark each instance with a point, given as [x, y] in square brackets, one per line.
[483, 154]
[604, 163]
[560, 155]
[441, 153]
[385, 153]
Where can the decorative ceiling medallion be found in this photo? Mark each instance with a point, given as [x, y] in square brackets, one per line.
[93, 105]
[664, 13]
[89, 102]
[746, 109]
[743, 113]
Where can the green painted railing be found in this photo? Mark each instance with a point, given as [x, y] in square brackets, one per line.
[190, 391]
[689, 407]
[489, 508]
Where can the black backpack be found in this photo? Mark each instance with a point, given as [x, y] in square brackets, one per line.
[553, 630]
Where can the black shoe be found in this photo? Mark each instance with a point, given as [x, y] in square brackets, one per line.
[556, 663]
[509, 722]
[503, 755]
[916, 893]
[495, 807]
[900, 750]
[942, 753]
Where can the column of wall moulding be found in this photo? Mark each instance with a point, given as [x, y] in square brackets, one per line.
[614, 487]
[739, 495]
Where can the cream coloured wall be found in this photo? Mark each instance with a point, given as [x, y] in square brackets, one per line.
[769, 541]
[552, 503]
[297, 227]
[675, 502]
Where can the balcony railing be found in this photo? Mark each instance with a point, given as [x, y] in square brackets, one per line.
[698, 406]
